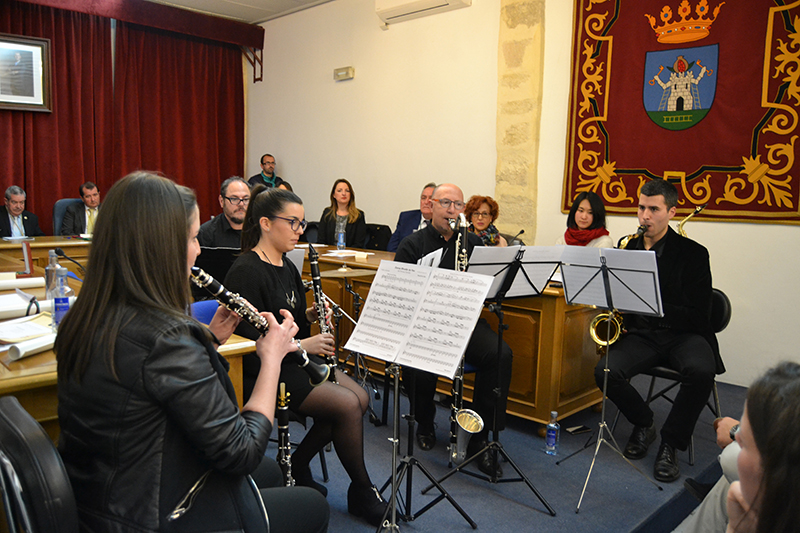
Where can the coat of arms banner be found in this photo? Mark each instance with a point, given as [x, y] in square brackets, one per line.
[702, 93]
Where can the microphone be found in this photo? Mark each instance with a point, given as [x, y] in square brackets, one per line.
[514, 238]
[60, 253]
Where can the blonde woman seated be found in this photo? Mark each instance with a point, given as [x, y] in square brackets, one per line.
[481, 212]
[586, 223]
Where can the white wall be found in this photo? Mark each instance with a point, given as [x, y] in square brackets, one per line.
[422, 107]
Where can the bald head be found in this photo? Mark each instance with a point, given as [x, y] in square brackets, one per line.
[451, 195]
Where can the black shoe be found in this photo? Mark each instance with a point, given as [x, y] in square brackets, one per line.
[367, 503]
[303, 478]
[426, 439]
[696, 489]
[666, 468]
[641, 439]
[484, 460]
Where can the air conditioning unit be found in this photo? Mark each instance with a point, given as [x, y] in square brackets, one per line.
[393, 11]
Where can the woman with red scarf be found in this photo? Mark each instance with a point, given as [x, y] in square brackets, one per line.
[586, 223]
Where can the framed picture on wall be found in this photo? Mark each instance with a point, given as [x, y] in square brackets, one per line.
[25, 73]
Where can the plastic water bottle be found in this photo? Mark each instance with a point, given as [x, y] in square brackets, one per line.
[553, 430]
[61, 295]
[340, 240]
[50, 275]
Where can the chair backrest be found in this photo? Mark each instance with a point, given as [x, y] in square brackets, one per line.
[311, 232]
[378, 236]
[204, 310]
[36, 489]
[59, 209]
[720, 310]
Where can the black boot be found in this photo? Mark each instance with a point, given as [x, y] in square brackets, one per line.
[366, 502]
[303, 478]
[485, 460]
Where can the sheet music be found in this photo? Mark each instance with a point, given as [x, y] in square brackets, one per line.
[420, 316]
[432, 259]
[537, 266]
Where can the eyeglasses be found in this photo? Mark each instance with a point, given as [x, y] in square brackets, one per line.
[294, 223]
[269, 163]
[236, 201]
[476, 214]
[445, 203]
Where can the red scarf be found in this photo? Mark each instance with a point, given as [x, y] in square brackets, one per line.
[582, 237]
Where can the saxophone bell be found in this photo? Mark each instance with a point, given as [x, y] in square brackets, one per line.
[469, 423]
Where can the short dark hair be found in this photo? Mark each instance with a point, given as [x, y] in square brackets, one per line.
[265, 155]
[664, 188]
[598, 210]
[264, 202]
[85, 186]
[431, 185]
[223, 190]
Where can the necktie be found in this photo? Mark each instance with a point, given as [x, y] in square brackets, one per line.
[90, 222]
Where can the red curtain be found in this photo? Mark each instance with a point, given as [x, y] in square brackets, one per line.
[51, 154]
[179, 105]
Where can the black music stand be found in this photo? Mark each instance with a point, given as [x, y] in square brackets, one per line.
[528, 278]
[614, 280]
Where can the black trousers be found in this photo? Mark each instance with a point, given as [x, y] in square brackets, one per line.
[482, 353]
[637, 351]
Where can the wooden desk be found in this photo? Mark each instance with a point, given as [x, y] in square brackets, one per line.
[554, 357]
[75, 247]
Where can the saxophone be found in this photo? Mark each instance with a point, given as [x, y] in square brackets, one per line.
[463, 422]
[686, 219]
[317, 374]
[325, 325]
[284, 446]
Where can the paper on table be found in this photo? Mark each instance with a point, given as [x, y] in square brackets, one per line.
[31, 347]
[13, 306]
[20, 283]
[22, 329]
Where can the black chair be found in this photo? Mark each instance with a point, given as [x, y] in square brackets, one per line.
[511, 240]
[59, 210]
[378, 236]
[311, 232]
[720, 317]
[37, 494]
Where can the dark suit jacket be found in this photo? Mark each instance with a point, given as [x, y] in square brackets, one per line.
[74, 222]
[29, 221]
[406, 224]
[684, 275]
[355, 232]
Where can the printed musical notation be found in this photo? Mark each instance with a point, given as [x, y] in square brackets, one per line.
[420, 316]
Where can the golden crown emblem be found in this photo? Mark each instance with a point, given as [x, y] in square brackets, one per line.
[688, 28]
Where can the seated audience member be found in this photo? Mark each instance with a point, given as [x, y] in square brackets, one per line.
[682, 339]
[267, 175]
[765, 499]
[149, 417]
[79, 218]
[414, 220]
[481, 212]
[286, 186]
[268, 280]
[15, 221]
[482, 349]
[226, 231]
[343, 217]
[586, 223]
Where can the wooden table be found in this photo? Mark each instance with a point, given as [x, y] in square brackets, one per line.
[74, 247]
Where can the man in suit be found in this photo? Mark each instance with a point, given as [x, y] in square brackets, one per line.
[15, 221]
[80, 218]
[267, 175]
[683, 339]
[411, 221]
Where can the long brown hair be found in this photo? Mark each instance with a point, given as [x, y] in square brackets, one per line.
[352, 211]
[137, 260]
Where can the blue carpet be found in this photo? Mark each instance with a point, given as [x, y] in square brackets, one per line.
[618, 498]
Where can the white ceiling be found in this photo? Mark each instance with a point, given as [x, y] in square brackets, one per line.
[251, 11]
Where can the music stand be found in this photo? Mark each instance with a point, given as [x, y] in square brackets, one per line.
[512, 276]
[615, 280]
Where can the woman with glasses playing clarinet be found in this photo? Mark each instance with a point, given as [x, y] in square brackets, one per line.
[273, 224]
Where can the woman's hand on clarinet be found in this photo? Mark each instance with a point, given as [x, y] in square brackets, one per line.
[224, 323]
[279, 340]
[322, 344]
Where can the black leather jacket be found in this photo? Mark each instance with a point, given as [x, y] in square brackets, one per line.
[133, 447]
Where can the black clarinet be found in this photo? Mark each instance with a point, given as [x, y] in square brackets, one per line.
[319, 300]
[317, 374]
[284, 446]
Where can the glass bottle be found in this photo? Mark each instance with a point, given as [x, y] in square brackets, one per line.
[552, 437]
[340, 240]
[50, 275]
[61, 295]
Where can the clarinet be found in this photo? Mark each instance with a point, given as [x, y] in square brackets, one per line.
[284, 447]
[319, 300]
[317, 374]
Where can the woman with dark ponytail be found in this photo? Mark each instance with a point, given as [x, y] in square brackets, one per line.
[273, 224]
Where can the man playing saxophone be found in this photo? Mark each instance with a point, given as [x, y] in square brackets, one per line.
[683, 339]
[448, 202]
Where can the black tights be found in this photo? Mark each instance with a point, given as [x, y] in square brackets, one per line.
[338, 412]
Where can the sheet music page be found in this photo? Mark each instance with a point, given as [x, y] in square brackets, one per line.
[633, 276]
[539, 263]
[443, 324]
[420, 316]
[490, 260]
[432, 259]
